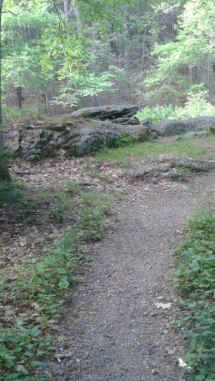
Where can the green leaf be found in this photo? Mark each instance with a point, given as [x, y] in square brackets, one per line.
[28, 354]
[37, 363]
[3, 350]
[35, 331]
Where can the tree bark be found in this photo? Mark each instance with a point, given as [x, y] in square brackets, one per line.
[83, 100]
[46, 100]
[95, 96]
[4, 173]
[66, 9]
[19, 96]
[127, 57]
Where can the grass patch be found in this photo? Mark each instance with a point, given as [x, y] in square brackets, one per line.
[32, 296]
[195, 280]
[181, 148]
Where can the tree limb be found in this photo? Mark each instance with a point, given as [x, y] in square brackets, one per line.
[14, 14]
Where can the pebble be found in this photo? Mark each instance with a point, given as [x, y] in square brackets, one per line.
[61, 372]
[154, 314]
[70, 363]
[154, 371]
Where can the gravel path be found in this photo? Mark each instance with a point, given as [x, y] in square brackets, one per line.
[113, 328]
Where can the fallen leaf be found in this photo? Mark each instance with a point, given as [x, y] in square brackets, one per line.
[35, 305]
[182, 364]
[5, 234]
[21, 368]
[166, 306]
[171, 351]
[19, 322]
[52, 321]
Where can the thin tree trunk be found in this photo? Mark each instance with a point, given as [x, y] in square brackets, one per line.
[191, 74]
[95, 96]
[46, 100]
[4, 173]
[127, 58]
[95, 100]
[66, 9]
[19, 96]
[78, 19]
[83, 100]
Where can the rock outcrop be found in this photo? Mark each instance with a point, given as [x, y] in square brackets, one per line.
[12, 140]
[87, 130]
[174, 127]
[84, 131]
[79, 137]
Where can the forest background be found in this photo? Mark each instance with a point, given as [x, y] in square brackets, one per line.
[61, 55]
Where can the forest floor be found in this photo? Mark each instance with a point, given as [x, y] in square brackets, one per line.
[119, 324]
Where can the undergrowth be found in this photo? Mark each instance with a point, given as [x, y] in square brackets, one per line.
[195, 280]
[36, 292]
[197, 105]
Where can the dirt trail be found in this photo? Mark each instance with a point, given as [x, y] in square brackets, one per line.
[113, 329]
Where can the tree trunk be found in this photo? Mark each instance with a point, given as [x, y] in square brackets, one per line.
[95, 100]
[46, 100]
[78, 19]
[19, 96]
[127, 58]
[4, 173]
[93, 48]
[83, 100]
[66, 9]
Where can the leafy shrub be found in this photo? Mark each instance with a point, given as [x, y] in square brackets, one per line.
[8, 192]
[196, 105]
[155, 114]
[44, 281]
[124, 140]
[195, 278]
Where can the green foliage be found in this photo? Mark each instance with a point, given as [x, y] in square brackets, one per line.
[181, 63]
[8, 192]
[40, 46]
[155, 114]
[195, 278]
[196, 105]
[18, 344]
[22, 50]
[28, 110]
[90, 84]
[125, 140]
[43, 281]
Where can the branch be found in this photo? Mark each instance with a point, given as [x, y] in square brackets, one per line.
[14, 14]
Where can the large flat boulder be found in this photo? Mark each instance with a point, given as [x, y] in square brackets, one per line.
[106, 112]
[201, 123]
[168, 127]
[175, 127]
